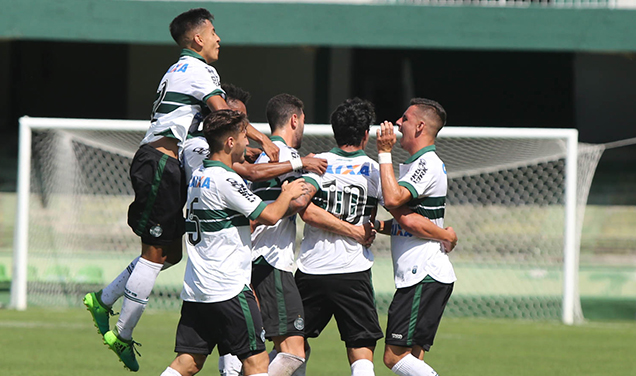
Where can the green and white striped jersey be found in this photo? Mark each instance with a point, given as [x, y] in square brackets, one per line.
[218, 234]
[424, 175]
[350, 189]
[276, 243]
[180, 104]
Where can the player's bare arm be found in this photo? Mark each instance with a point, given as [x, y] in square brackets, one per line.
[394, 195]
[277, 209]
[216, 102]
[267, 171]
[322, 219]
[423, 228]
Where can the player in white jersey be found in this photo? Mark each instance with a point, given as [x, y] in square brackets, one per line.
[187, 90]
[334, 265]
[424, 275]
[195, 149]
[218, 307]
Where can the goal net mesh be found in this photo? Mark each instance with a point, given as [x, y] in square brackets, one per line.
[505, 201]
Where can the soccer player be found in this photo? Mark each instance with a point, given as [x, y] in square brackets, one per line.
[273, 246]
[218, 306]
[334, 264]
[424, 275]
[190, 88]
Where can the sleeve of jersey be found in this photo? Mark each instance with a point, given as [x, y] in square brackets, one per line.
[313, 179]
[239, 198]
[417, 180]
[206, 85]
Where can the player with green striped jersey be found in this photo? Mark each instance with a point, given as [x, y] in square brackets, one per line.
[424, 275]
[217, 276]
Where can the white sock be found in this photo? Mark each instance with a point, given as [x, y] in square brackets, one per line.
[411, 366]
[230, 365]
[362, 367]
[258, 374]
[302, 370]
[170, 372]
[115, 289]
[284, 364]
[138, 289]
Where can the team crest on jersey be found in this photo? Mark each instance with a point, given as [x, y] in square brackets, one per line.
[419, 173]
[156, 231]
[299, 323]
[361, 169]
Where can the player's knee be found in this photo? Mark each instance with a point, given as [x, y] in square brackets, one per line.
[390, 359]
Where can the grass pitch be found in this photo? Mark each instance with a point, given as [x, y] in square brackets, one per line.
[46, 342]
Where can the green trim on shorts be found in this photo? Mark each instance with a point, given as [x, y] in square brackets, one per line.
[280, 300]
[143, 221]
[249, 321]
[414, 310]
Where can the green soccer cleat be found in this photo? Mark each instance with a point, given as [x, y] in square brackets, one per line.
[101, 313]
[125, 350]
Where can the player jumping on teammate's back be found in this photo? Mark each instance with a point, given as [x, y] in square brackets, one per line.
[424, 276]
[188, 90]
[218, 306]
[334, 264]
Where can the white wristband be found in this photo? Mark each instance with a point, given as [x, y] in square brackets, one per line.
[384, 158]
[296, 164]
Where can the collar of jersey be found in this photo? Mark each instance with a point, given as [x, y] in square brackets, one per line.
[210, 163]
[348, 154]
[187, 52]
[422, 151]
[278, 138]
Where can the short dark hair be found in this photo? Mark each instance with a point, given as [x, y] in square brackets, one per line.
[280, 108]
[235, 93]
[186, 22]
[220, 124]
[429, 107]
[351, 120]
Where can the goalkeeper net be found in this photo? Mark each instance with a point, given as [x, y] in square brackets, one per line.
[516, 200]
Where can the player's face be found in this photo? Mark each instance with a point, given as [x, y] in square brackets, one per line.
[407, 125]
[238, 152]
[211, 42]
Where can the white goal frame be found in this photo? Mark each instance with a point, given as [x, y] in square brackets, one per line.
[571, 310]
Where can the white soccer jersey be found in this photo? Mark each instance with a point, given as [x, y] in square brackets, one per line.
[218, 234]
[180, 104]
[424, 175]
[349, 189]
[276, 243]
[195, 149]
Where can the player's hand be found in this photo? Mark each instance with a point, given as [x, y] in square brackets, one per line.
[270, 149]
[386, 137]
[251, 154]
[317, 165]
[449, 245]
[365, 234]
[296, 188]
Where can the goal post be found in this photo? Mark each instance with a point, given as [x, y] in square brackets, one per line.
[516, 200]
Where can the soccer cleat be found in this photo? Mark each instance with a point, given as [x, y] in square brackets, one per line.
[125, 350]
[100, 312]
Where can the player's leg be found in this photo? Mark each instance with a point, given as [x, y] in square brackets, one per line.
[195, 339]
[424, 305]
[283, 316]
[357, 318]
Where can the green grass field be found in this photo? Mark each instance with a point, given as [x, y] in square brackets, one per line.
[48, 342]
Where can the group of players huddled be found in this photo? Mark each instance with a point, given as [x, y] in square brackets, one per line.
[243, 283]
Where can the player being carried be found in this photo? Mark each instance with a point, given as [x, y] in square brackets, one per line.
[218, 306]
[424, 276]
[188, 90]
[334, 264]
